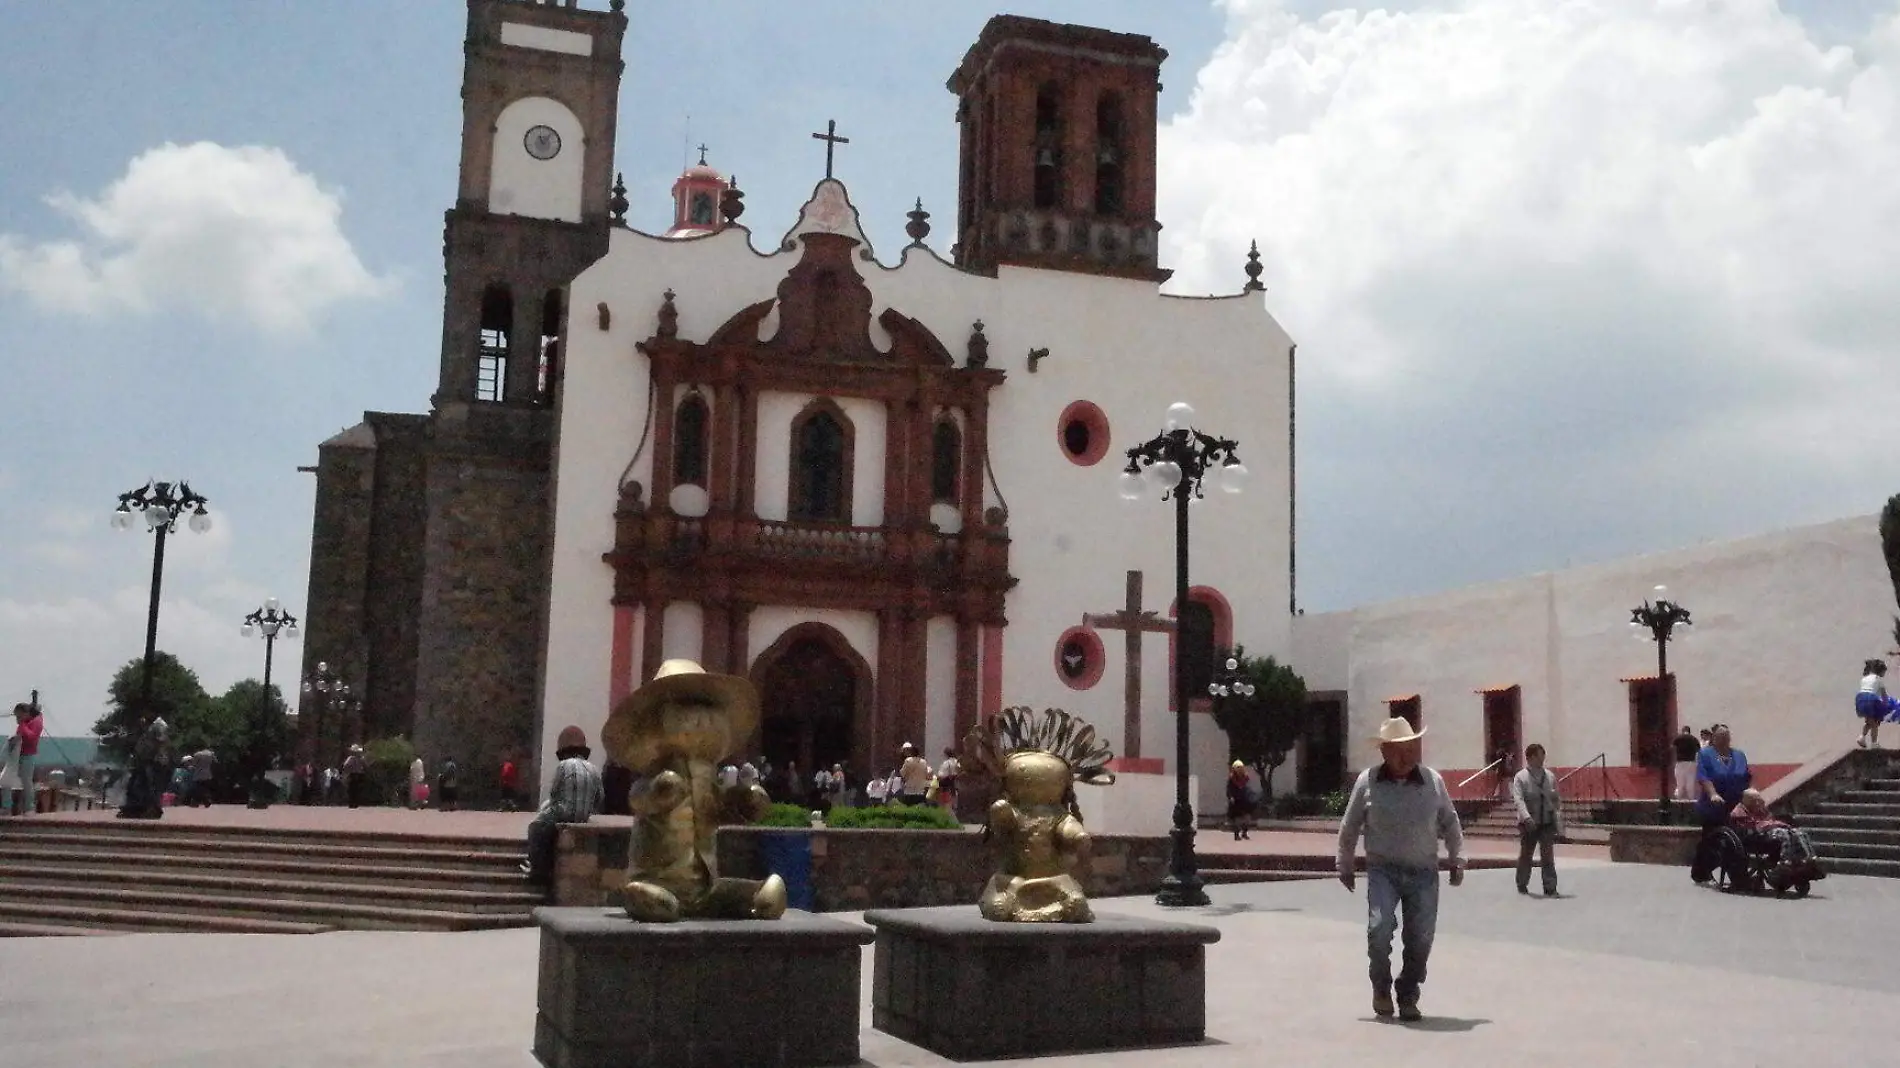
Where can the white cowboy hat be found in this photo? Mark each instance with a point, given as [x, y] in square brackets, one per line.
[1395, 730]
[632, 733]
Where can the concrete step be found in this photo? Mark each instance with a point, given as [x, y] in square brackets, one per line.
[1837, 821]
[1886, 869]
[1882, 785]
[1859, 835]
[107, 920]
[1868, 797]
[149, 830]
[44, 930]
[1856, 851]
[343, 873]
[388, 851]
[325, 914]
[213, 884]
[1841, 808]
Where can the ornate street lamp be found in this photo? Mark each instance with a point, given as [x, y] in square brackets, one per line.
[1230, 681]
[1661, 619]
[1175, 463]
[330, 693]
[270, 622]
[159, 504]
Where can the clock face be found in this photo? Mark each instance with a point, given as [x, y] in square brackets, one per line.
[542, 142]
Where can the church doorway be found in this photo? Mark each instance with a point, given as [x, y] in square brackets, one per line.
[1652, 720]
[813, 691]
[1323, 744]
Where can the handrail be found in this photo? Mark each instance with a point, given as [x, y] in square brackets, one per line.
[1476, 775]
[1600, 758]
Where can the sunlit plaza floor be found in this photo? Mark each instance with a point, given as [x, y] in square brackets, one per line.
[1634, 966]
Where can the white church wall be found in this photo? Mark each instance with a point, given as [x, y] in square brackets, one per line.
[520, 184]
[940, 684]
[685, 633]
[772, 485]
[770, 622]
[1781, 625]
[1321, 649]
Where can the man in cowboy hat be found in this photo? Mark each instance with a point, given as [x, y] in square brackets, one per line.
[674, 731]
[576, 795]
[1403, 809]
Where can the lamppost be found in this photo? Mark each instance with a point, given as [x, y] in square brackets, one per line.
[329, 691]
[1175, 462]
[160, 503]
[1661, 618]
[1230, 681]
[271, 622]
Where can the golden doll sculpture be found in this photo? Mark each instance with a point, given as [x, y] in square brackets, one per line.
[673, 731]
[1035, 826]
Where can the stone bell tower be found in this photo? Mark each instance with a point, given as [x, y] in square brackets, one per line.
[1057, 154]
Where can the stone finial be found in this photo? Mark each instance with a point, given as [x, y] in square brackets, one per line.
[1036, 356]
[732, 201]
[669, 317]
[617, 204]
[606, 315]
[632, 499]
[919, 226]
[979, 347]
[617, 6]
[1253, 270]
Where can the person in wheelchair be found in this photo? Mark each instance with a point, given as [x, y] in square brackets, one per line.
[1758, 849]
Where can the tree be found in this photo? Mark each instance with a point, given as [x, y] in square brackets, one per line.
[1263, 728]
[1890, 548]
[257, 726]
[177, 695]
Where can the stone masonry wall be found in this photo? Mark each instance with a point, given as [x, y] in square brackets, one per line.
[393, 594]
[333, 612]
[857, 869]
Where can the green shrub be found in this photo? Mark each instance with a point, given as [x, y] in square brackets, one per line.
[388, 772]
[783, 815]
[1335, 803]
[894, 817]
[1295, 806]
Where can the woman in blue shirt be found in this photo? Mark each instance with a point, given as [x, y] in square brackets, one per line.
[1721, 774]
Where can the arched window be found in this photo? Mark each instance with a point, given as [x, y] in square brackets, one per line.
[491, 348]
[700, 212]
[946, 461]
[820, 490]
[689, 441]
[550, 347]
[1048, 158]
[1109, 155]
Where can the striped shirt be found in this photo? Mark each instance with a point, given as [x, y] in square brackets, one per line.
[577, 792]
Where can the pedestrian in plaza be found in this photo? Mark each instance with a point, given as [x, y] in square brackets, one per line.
[1870, 704]
[1239, 801]
[839, 787]
[1403, 808]
[915, 773]
[877, 791]
[1687, 748]
[1722, 775]
[947, 773]
[510, 784]
[355, 770]
[22, 752]
[418, 782]
[1540, 819]
[204, 776]
[575, 795]
[448, 786]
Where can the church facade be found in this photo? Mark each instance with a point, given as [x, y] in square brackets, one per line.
[882, 487]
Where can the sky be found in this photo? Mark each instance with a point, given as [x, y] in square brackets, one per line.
[1572, 279]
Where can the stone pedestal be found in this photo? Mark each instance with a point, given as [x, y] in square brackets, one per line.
[959, 985]
[700, 994]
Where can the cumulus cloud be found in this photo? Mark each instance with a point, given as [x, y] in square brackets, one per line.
[233, 234]
[1571, 278]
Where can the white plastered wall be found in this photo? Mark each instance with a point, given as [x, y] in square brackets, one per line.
[519, 184]
[772, 493]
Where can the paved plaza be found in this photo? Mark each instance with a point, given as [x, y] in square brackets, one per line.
[1634, 966]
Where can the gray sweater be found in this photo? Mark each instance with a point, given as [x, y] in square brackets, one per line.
[1402, 820]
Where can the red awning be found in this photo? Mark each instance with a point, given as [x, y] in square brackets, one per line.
[1506, 687]
[1641, 678]
[1401, 697]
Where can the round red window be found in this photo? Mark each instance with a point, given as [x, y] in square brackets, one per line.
[1079, 658]
[1082, 432]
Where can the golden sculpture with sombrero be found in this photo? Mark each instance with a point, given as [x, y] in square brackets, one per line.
[672, 732]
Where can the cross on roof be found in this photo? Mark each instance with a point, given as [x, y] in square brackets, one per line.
[832, 140]
[702, 153]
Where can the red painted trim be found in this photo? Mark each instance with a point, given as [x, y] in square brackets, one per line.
[1094, 658]
[1138, 766]
[1097, 421]
[1223, 637]
[992, 671]
[620, 664]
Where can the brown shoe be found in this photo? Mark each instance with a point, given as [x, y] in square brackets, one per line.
[1381, 1004]
[1408, 1011]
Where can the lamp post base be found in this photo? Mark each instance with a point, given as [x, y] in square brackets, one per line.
[1182, 887]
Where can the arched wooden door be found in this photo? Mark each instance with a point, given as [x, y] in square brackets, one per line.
[813, 689]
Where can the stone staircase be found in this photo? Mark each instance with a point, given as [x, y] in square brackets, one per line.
[105, 878]
[1857, 831]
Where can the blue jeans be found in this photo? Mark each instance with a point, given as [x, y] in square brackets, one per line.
[1388, 889]
[23, 797]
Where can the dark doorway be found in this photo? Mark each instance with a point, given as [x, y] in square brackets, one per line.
[1652, 721]
[1503, 726]
[809, 696]
[1323, 749]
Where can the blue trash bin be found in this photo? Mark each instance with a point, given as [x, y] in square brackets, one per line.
[787, 854]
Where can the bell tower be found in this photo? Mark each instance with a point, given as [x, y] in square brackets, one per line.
[1057, 154]
[540, 88]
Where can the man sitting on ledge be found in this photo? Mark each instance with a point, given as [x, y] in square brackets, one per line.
[576, 795]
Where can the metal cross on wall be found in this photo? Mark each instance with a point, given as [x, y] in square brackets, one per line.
[832, 140]
[1133, 622]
